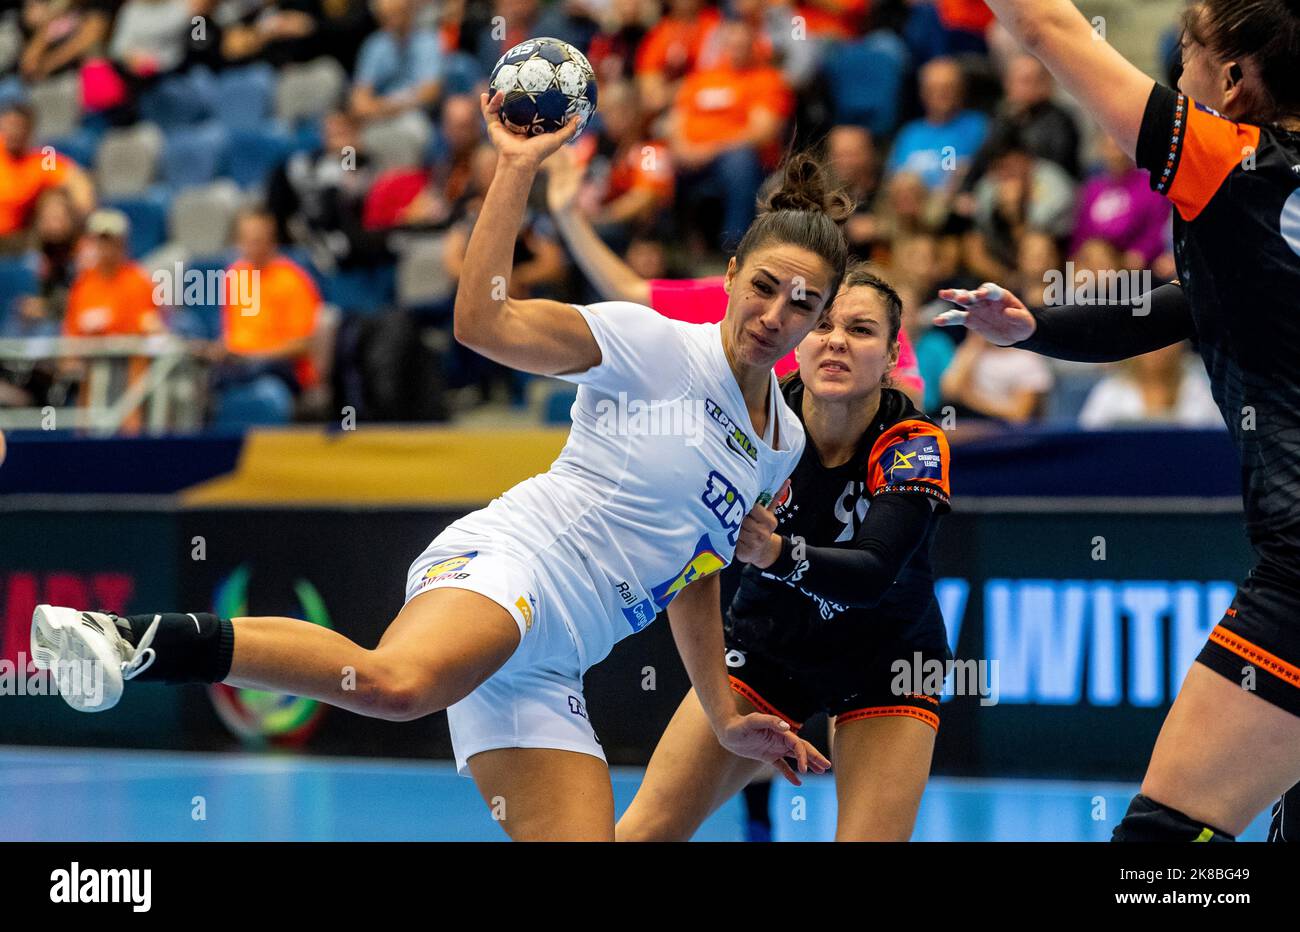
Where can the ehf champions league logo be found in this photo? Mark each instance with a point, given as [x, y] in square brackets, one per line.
[255, 716]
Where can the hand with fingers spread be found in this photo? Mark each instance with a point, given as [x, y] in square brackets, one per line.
[531, 150]
[770, 739]
[758, 543]
[991, 311]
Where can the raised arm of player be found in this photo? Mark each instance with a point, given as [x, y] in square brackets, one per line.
[695, 617]
[609, 274]
[1108, 86]
[538, 336]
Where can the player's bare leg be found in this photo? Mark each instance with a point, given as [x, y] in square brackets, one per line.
[689, 776]
[1223, 754]
[881, 768]
[541, 794]
[442, 645]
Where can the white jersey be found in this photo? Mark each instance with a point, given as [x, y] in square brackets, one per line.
[661, 466]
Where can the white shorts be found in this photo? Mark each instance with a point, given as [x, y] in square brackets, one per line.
[535, 699]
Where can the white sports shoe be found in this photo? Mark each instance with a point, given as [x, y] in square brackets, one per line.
[88, 655]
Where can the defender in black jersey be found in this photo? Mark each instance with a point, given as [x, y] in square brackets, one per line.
[847, 611]
[836, 610]
[1226, 151]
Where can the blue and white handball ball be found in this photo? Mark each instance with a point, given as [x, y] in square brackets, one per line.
[546, 82]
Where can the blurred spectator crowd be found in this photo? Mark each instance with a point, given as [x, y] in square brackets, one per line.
[335, 147]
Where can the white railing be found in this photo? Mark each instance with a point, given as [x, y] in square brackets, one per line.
[169, 395]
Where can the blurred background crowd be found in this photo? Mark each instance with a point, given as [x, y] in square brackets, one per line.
[336, 147]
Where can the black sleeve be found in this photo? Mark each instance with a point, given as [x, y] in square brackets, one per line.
[1110, 332]
[859, 574]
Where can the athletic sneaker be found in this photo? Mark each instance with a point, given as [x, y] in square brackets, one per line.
[91, 653]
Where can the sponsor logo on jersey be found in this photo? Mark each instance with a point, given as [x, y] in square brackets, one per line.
[703, 563]
[576, 707]
[737, 440]
[526, 604]
[625, 592]
[448, 568]
[726, 503]
[640, 614]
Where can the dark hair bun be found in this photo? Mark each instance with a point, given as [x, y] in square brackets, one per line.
[807, 184]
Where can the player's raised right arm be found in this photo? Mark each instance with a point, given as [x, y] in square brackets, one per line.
[538, 336]
[1110, 88]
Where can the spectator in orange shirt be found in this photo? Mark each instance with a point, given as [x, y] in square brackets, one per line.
[724, 129]
[25, 173]
[113, 296]
[670, 49]
[272, 314]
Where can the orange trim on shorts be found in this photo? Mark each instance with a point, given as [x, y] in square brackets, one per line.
[887, 711]
[760, 703]
[1256, 655]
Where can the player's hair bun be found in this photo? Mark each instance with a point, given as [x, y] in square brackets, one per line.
[806, 184]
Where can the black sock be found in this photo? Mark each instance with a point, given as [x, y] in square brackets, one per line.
[195, 648]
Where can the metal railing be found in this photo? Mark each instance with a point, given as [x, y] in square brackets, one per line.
[169, 395]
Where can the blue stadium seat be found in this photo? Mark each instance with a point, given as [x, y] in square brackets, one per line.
[203, 320]
[194, 155]
[254, 153]
[17, 280]
[180, 99]
[12, 90]
[302, 255]
[147, 212]
[461, 71]
[307, 136]
[1066, 399]
[872, 103]
[80, 146]
[263, 401]
[558, 405]
[924, 33]
[244, 96]
[362, 291]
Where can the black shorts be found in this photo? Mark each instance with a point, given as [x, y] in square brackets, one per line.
[847, 688]
[1257, 644]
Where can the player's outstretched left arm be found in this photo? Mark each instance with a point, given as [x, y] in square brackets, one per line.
[696, 619]
[538, 336]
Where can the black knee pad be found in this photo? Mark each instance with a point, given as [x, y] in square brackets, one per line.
[1148, 820]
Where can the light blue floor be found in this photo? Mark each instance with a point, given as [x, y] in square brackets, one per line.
[75, 795]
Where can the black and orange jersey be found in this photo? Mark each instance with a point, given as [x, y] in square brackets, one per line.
[845, 583]
[1236, 190]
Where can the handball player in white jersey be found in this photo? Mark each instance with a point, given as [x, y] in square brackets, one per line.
[678, 431]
